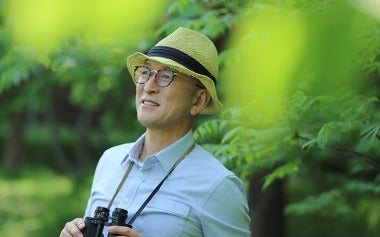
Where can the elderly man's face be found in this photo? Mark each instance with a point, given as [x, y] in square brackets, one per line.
[166, 107]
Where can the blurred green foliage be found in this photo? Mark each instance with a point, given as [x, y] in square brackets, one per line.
[320, 132]
[38, 202]
[321, 135]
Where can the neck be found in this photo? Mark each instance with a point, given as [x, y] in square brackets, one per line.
[156, 141]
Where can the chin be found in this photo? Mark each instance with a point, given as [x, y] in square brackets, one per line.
[146, 121]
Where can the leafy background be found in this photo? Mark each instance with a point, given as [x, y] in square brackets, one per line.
[299, 81]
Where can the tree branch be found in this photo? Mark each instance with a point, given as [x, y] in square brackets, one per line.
[373, 160]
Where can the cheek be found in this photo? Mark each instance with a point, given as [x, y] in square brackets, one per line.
[138, 92]
[139, 89]
[182, 102]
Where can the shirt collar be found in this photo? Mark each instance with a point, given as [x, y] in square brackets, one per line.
[134, 152]
[166, 157]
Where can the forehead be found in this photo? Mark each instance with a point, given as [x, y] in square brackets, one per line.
[155, 65]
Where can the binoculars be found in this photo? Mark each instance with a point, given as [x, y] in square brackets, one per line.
[95, 225]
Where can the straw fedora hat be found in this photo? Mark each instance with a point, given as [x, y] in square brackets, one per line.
[188, 52]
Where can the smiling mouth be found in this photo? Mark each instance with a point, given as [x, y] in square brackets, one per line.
[149, 103]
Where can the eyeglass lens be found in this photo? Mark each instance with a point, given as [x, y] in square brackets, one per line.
[162, 78]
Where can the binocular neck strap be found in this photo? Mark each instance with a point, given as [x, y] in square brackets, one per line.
[120, 184]
[154, 190]
[160, 184]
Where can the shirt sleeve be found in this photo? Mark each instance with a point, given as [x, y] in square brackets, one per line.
[226, 212]
[97, 174]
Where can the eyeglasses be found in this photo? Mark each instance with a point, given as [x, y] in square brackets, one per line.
[162, 78]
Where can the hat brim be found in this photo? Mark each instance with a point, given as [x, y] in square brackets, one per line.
[214, 106]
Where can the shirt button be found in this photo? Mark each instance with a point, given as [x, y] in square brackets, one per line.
[141, 174]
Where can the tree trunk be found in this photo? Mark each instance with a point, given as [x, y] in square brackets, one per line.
[266, 207]
[14, 151]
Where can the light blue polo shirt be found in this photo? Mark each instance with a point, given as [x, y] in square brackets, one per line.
[200, 198]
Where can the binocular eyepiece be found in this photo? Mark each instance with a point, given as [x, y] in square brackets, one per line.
[95, 225]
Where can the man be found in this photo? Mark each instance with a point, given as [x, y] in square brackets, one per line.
[175, 82]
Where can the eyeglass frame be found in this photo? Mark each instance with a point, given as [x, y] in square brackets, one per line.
[155, 75]
[198, 84]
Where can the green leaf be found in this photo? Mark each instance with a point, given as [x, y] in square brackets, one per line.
[308, 145]
[329, 203]
[234, 135]
[286, 169]
[371, 133]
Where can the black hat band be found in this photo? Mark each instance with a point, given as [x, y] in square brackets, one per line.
[181, 58]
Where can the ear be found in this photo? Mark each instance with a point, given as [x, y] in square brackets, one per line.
[201, 99]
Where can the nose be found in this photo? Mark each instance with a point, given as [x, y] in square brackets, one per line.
[150, 85]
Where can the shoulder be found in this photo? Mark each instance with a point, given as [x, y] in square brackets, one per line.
[214, 182]
[115, 154]
[118, 149]
[205, 161]
[111, 159]
[205, 168]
